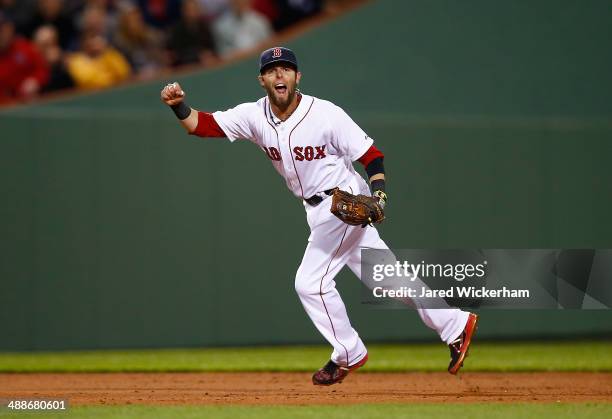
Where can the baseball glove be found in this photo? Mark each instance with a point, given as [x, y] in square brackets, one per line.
[356, 210]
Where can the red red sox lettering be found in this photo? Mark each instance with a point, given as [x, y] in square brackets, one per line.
[307, 153]
[272, 153]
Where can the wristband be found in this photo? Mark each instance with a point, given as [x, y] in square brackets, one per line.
[181, 110]
[375, 166]
[378, 185]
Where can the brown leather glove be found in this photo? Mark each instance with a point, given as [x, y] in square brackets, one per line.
[356, 210]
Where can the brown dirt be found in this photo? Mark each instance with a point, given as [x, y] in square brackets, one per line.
[296, 389]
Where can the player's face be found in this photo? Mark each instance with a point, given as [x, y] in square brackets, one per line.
[280, 83]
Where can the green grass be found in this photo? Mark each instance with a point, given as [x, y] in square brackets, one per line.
[550, 356]
[387, 411]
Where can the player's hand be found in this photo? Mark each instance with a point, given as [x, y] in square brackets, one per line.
[172, 94]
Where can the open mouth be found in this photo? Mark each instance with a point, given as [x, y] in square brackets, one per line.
[280, 88]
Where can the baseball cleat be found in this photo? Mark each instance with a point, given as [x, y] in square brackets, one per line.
[332, 373]
[459, 347]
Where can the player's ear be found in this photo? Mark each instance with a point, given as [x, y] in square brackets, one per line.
[261, 82]
[298, 76]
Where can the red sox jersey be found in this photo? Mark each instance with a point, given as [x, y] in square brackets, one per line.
[312, 150]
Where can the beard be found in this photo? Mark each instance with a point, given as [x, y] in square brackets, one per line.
[284, 101]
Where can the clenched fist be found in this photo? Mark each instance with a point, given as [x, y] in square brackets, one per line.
[172, 94]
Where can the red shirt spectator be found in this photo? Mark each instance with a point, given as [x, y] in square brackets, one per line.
[268, 8]
[23, 70]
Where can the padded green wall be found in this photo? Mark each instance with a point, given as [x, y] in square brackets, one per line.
[118, 230]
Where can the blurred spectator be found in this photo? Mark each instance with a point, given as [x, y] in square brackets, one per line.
[109, 5]
[160, 13]
[212, 9]
[19, 10]
[73, 6]
[23, 70]
[9, 5]
[149, 35]
[47, 42]
[141, 44]
[96, 20]
[190, 40]
[240, 28]
[268, 8]
[292, 11]
[97, 65]
[51, 12]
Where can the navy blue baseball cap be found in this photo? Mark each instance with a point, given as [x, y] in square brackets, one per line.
[277, 55]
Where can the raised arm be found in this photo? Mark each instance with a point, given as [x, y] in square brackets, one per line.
[173, 95]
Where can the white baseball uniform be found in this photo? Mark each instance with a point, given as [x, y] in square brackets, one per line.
[314, 151]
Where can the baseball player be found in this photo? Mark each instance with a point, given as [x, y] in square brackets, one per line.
[313, 143]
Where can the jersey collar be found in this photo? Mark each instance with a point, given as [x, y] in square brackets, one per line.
[277, 121]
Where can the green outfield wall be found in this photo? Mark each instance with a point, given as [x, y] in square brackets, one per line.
[119, 230]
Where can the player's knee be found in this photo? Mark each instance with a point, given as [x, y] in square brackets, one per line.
[304, 285]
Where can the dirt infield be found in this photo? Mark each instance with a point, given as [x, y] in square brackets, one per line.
[296, 389]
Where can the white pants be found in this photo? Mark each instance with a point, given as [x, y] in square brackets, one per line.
[331, 245]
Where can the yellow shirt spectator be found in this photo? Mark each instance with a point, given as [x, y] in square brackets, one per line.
[97, 65]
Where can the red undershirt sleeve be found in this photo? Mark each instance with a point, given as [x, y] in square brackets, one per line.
[371, 154]
[207, 126]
